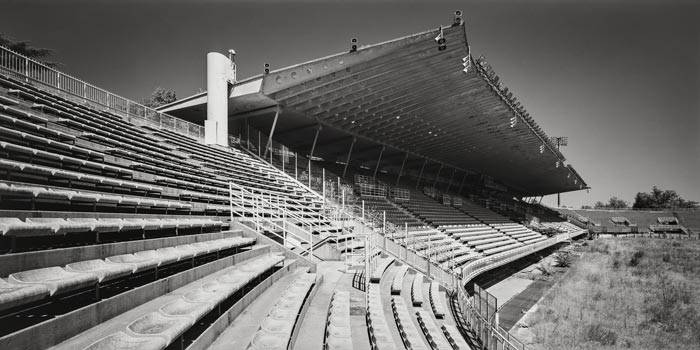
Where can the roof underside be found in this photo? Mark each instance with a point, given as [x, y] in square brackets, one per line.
[406, 96]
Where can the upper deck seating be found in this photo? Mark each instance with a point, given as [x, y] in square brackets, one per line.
[393, 213]
[429, 210]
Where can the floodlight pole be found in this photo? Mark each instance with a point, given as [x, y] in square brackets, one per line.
[560, 141]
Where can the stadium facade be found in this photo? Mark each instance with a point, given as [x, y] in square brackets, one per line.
[128, 227]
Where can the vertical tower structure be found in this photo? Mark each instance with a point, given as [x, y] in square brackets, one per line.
[221, 75]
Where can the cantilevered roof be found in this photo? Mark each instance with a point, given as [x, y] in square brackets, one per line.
[409, 97]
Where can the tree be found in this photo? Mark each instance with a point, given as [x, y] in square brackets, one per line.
[661, 199]
[613, 203]
[585, 207]
[160, 97]
[25, 48]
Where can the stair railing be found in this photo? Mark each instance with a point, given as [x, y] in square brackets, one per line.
[254, 205]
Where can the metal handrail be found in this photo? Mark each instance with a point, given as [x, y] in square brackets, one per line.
[30, 70]
[257, 201]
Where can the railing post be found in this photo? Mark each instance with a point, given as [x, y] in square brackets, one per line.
[405, 239]
[26, 69]
[296, 167]
[384, 227]
[230, 200]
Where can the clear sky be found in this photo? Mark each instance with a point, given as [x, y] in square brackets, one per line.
[621, 79]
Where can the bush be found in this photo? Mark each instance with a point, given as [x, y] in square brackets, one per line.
[599, 334]
[636, 257]
[562, 259]
[666, 257]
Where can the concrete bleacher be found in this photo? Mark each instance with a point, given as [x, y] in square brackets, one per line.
[338, 329]
[435, 213]
[394, 214]
[166, 319]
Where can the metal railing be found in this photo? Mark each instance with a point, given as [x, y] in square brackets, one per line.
[27, 70]
[250, 205]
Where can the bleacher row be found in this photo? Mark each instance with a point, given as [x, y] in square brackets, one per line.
[167, 318]
[125, 228]
[415, 324]
[56, 154]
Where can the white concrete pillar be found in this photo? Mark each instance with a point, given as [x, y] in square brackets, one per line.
[220, 73]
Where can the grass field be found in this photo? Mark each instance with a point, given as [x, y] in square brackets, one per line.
[624, 294]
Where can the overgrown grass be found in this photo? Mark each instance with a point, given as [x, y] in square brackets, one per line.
[624, 294]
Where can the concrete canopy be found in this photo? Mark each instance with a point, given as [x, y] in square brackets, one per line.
[410, 97]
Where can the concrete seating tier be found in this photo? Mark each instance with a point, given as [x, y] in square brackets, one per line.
[276, 329]
[431, 331]
[378, 329]
[31, 227]
[163, 320]
[409, 334]
[397, 283]
[393, 214]
[417, 290]
[454, 337]
[503, 248]
[437, 301]
[89, 150]
[435, 213]
[381, 265]
[27, 287]
[338, 331]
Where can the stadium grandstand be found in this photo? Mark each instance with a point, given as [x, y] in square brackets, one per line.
[340, 203]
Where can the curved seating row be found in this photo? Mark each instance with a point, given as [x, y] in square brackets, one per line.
[381, 265]
[379, 334]
[437, 302]
[276, 329]
[397, 283]
[431, 331]
[338, 331]
[417, 290]
[29, 286]
[407, 329]
[454, 337]
[161, 321]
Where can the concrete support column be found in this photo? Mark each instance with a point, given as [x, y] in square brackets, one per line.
[220, 74]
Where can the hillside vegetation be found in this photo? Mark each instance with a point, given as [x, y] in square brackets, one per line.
[624, 294]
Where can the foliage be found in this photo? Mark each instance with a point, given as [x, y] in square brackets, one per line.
[25, 48]
[613, 203]
[661, 199]
[599, 334]
[562, 259]
[159, 97]
[623, 293]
